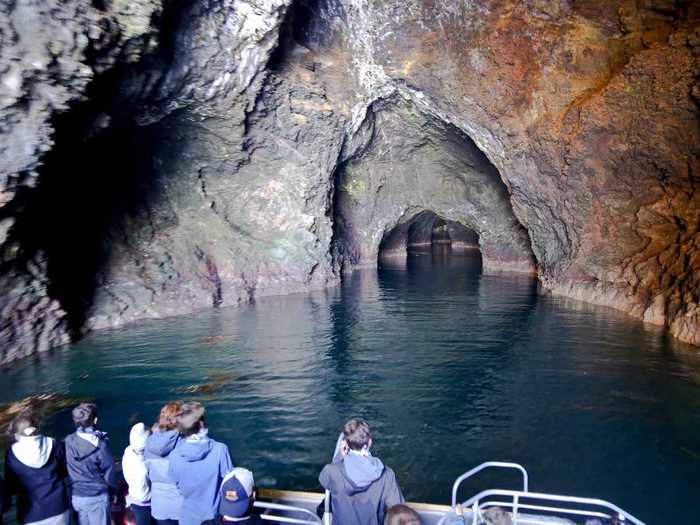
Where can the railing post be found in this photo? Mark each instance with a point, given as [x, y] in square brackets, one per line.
[515, 509]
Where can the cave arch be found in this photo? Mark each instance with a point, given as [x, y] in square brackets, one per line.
[427, 231]
[414, 165]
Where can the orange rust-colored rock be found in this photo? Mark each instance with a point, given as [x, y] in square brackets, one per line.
[586, 113]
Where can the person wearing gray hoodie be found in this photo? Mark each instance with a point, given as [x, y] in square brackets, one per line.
[91, 468]
[362, 488]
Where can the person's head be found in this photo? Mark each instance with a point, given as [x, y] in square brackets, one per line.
[167, 420]
[24, 424]
[496, 516]
[85, 415]
[191, 419]
[357, 434]
[401, 515]
[237, 494]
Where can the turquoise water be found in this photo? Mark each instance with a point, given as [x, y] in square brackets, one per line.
[450, 366]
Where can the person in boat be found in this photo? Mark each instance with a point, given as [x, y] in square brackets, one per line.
[198, 464]
[4, 503]
[138, 499]
[236, 498]
[166, 500]
[362, 488]
[91, 468]
[402, 514]
[35, 470]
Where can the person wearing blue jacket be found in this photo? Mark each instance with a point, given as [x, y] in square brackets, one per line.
[91, 468]
[198, 465]
[166, 500]
[35, 469]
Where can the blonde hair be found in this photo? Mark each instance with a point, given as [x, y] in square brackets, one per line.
[402, 515]
[191, 418]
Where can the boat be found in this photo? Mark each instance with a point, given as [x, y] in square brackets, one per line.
[520, 507]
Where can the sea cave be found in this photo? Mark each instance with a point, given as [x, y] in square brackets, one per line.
[475, 224]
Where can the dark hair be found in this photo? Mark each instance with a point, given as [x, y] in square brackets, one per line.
[21, 422]
[191, 418]
[357, 434]
[402, 515]
[167, 420]
[85, 414]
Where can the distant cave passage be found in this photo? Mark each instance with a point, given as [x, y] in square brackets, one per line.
[428, 232]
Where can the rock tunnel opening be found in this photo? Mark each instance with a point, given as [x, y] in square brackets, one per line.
[417, 181]
[427, 233]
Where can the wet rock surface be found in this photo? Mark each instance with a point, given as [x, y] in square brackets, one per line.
[246, 148]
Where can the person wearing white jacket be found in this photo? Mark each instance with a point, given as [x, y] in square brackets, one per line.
[136, 475]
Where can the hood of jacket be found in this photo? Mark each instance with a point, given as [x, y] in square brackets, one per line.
[82, 445]
[161, 444]
[137, 437]
[91, 435]
[194, 448]
[33, 451]
[362, 470]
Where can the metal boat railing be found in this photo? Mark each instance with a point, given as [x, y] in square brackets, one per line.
[484, 466]
[533, 501]
[309, 518]
[515, 502]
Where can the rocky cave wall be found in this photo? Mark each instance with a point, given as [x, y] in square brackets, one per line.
[170, 156]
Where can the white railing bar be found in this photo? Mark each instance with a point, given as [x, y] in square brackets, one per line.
[285, 519]
[532, 521]
[591, 513]
[488, 464]
[288, 508]
[553, 497]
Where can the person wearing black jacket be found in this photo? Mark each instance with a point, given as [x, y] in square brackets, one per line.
[35, 471]
[90, 467]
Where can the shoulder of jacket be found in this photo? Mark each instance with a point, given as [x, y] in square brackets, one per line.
[219, 445]
[389, 472]
[332, 469]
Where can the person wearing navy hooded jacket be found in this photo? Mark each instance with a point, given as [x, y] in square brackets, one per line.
[362, 488]
[35, 469]
[91, 468]
[198, 465]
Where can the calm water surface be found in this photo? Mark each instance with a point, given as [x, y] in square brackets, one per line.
[452, 368]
